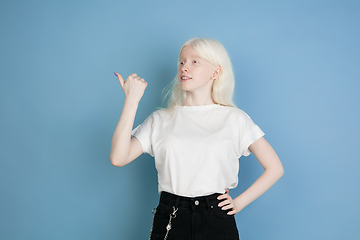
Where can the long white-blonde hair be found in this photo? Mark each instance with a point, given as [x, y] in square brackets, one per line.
[223, 87]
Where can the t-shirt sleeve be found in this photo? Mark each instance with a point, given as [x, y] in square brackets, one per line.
[143, 134]
[249, 133]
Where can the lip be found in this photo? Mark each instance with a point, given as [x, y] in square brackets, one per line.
[183, 76]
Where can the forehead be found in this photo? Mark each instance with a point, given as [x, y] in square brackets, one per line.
[189, 52]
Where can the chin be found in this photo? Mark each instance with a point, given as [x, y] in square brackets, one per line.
[184, 87]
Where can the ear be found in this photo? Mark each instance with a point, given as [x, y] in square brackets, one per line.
[217, 73]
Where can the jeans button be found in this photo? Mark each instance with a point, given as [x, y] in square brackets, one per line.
[196, 202]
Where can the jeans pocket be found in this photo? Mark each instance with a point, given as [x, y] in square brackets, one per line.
[222, 214]
[161, 219]
[163, 210]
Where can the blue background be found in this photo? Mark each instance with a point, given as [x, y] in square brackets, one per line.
[297, 76]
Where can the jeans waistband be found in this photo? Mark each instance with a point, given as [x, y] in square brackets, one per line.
[208, 201]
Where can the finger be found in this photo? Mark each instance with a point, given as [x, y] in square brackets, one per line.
[137, 78]
[223, 203]
[141, 79]
[132, 76]
[233, 212]
[120, 78]
[224, 196]
[227, 207]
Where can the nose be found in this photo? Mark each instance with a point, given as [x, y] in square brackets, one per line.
[184, 68]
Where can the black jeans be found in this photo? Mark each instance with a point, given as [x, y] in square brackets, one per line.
[197, 218]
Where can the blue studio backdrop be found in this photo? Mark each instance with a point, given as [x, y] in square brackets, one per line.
[296, 66]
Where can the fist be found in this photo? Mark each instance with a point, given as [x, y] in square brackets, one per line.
[133, 87]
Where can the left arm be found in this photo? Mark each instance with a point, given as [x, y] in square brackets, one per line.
[273, 170]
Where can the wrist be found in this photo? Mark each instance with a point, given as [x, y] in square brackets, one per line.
[239, 205]
[131, 102]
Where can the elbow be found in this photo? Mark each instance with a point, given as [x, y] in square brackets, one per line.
[280, 171]
[276, 171]
[116, 162]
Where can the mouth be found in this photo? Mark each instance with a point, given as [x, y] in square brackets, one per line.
[185, 78]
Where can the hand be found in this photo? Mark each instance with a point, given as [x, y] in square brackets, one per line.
[228, 203]
[133, 87]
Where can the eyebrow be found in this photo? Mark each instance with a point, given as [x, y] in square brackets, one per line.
[192, 56]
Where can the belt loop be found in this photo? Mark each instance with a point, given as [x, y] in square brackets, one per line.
[208, 202]
[177, 202]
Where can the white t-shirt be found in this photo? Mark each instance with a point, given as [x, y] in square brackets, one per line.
[196, 148]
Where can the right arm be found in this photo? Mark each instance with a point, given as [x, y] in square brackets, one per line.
[124, 148]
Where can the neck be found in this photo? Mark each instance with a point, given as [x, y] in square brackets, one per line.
[193, 100]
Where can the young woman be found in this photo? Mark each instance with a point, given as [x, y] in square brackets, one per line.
[196, 142]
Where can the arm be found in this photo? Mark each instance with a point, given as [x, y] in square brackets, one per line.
[273, 170]
[125, 149]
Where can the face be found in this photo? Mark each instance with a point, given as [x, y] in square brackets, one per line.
[196, 75]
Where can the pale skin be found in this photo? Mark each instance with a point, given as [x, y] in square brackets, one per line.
[196, 77]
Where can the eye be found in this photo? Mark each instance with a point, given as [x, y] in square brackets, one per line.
[195, 61]
[181, 63]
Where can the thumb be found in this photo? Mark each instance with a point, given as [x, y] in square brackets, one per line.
[120, 78]
[226, 191]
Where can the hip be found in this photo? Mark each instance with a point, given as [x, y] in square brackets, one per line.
[196, 218]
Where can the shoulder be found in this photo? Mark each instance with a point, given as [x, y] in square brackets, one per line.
[237, 117]
[234, 112]
[160, 115]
